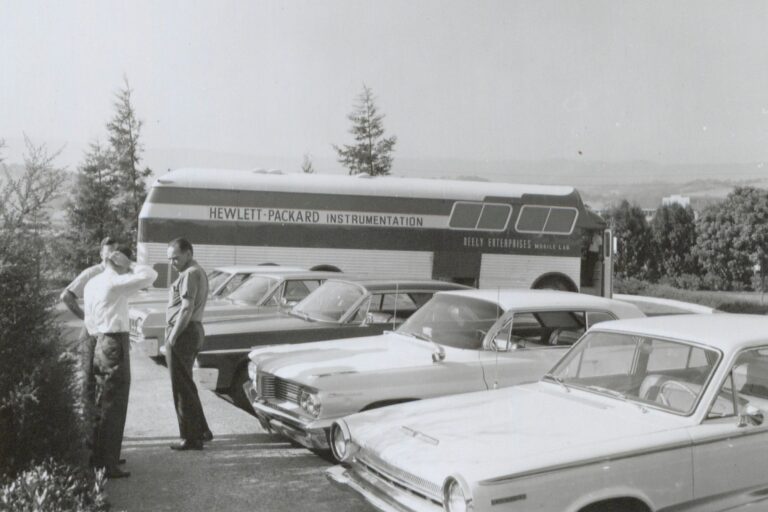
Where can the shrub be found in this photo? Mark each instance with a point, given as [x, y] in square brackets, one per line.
[53, 487]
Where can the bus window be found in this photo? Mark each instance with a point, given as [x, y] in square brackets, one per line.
[546, 220]
[480, 216]
[494, 217]
[465, 215]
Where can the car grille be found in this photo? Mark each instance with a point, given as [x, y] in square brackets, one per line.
[399, 478]
[275, 388]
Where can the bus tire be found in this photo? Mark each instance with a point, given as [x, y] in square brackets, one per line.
[268, 264]
[555, 282]
[325, 268]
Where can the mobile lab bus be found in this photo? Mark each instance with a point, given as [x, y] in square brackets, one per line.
[478, 233]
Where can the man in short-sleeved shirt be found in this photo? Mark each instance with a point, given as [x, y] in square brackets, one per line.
[183, 340]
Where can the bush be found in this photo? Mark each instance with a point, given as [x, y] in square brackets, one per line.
[39, 414]
[53, 487]
[744, 307]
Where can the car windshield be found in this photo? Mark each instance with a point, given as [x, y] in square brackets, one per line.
[666, 374]
[253, 289]
[330, 302]
[452, 320]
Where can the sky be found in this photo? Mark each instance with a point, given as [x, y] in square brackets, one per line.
[475, 80]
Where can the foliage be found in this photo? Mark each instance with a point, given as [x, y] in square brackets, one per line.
[306, 165]
[126, 149]
[54, 487]
[372, 152]
[91, 214]
[673, 236]
[634, 240]
[38, 417]
[732, 237]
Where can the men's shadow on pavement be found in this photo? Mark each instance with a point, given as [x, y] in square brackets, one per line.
[234, 472]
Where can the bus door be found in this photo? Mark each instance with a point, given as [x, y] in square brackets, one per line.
[607, 263]
[597, 264]
[457, 267]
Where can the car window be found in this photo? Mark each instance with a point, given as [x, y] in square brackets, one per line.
[398, 302]
[749, 378]
[296, 290]
[233, 284]
[253, 289]
[595, 317]
[547, 328]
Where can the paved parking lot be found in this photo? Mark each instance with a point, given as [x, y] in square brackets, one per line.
[243, 469]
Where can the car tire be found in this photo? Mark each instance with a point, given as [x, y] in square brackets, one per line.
[236, 391]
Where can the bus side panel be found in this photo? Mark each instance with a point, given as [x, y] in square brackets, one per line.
[364, 262]
[520, 271]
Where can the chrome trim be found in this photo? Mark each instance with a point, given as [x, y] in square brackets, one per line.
[587, 462]
[415, 484]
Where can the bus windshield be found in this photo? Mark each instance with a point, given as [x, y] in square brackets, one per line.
[253, 289]
[452, 320]
[330, 302]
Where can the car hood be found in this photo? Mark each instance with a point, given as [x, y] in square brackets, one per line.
[509, 431]
[310, 362]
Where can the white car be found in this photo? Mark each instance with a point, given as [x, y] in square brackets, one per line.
[664, 413]
[459, 341]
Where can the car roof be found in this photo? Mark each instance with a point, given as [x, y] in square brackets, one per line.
[723, 331]
[659, 306]
[373, 285]
[512, 298]
[258, 269]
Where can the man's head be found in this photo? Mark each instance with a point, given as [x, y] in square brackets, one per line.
[108, 245]
[180, 253]
[119, 260]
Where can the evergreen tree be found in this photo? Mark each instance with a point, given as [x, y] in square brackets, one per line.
[91, 212]
[634, 240]
[371, 152]
[306, 165]
[124, 132]
[673, 232]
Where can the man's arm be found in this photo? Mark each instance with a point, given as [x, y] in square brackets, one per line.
[189, 287]
[141, 276]
[70, 300]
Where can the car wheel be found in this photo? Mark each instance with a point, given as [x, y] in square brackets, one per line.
[237, 392]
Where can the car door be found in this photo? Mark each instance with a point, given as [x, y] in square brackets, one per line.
[730, 447]
[528, 344]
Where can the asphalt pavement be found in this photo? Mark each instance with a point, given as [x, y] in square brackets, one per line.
[242, 469]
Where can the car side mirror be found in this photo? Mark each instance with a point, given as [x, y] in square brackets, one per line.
[438, 355]
[752, 416]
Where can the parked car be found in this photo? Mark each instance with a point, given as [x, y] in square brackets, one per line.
[663, 413]
[460, 341]
[264, 290]
[340, 308]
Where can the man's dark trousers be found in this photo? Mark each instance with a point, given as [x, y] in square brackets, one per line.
[87, 380]
[180, 358]
[112, 368]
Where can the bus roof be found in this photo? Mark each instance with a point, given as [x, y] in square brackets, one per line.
[229, 179]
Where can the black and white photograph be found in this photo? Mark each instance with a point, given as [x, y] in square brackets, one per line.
[383, 255]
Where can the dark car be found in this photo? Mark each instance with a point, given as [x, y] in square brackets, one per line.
[339, 308]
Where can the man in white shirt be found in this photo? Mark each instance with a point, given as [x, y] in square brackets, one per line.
[85, 342]
[106, 318]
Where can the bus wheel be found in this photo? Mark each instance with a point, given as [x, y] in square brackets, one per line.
[561, 283]
[325, 268]
[268, 264]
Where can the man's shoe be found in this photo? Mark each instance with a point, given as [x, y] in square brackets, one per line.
[117, 473]
[121, 461]
[187, 445]
[207, 436]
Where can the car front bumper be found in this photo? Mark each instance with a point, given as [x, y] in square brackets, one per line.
[310, 434]
[386, 499]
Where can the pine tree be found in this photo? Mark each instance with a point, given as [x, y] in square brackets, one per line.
[306, 165]
[371, 152]
[124, 131]
[91, 211]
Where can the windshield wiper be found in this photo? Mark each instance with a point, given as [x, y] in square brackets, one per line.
[558, 380]
[418, 336]
[617, 394]
[302, 315]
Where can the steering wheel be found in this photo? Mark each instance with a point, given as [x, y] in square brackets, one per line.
[675, 384]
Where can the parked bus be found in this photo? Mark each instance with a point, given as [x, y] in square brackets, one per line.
[470, 232]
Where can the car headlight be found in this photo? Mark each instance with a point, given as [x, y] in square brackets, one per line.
[341, 441]
[456, 496]
[252, 371]
[310, 403]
